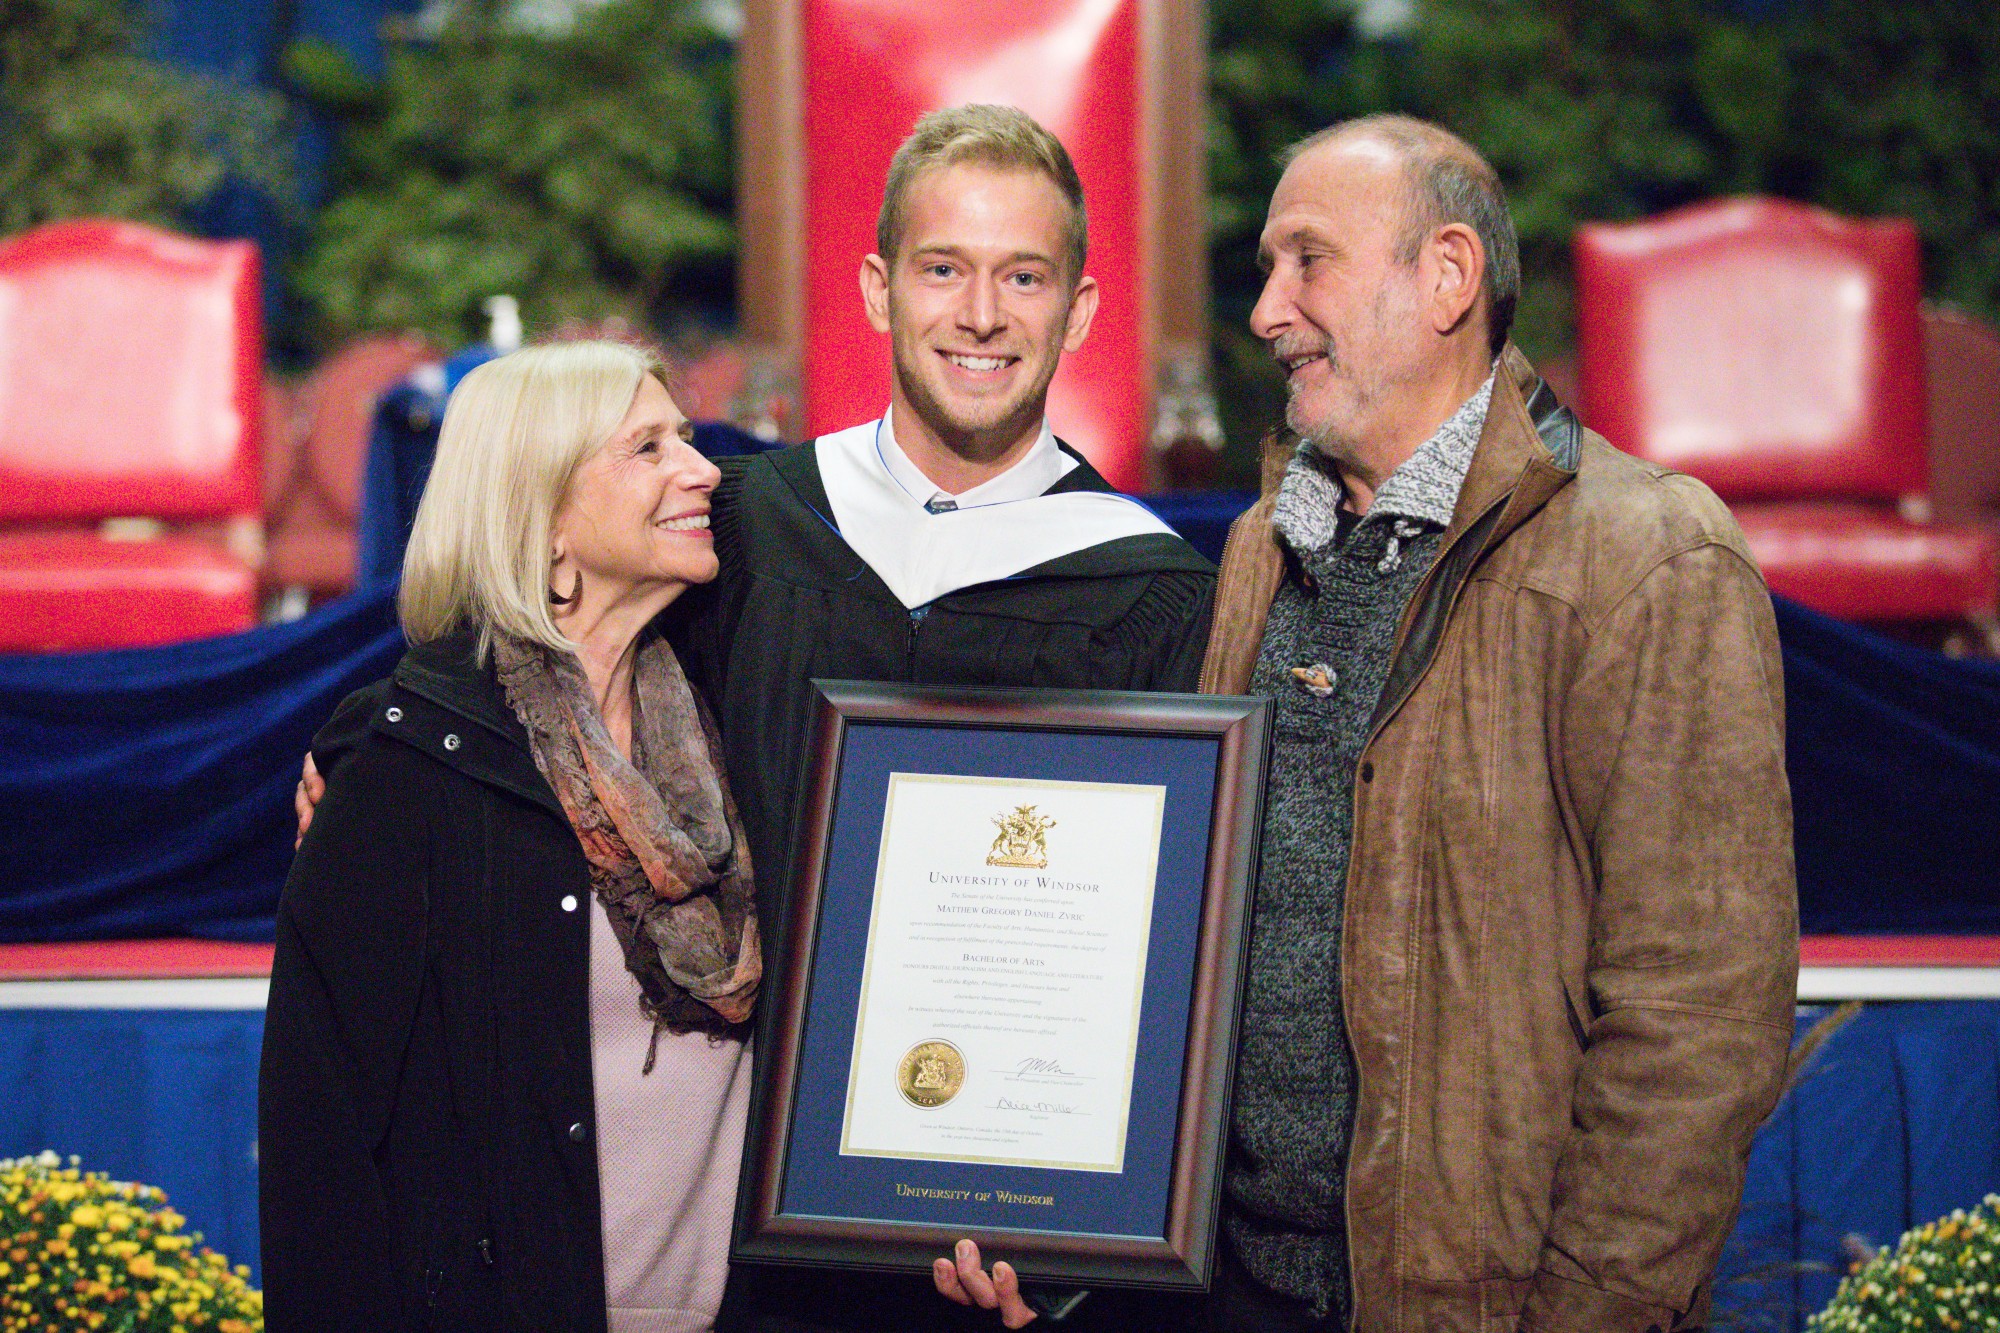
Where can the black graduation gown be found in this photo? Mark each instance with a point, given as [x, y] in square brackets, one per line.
[794, 602]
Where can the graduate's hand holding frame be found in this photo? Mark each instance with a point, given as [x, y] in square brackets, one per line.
[961, 1279]
[965, 1281]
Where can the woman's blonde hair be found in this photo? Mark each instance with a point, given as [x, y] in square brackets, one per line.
[515, 432]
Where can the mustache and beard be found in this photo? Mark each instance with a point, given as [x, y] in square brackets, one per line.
[1340, 401]
[1289, 346]
[1316, 421]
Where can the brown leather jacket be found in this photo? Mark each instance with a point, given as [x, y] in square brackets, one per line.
[1571, 941]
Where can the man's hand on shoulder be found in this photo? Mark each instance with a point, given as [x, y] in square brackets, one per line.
[961, 1279]
[305, 796]
[340, 737]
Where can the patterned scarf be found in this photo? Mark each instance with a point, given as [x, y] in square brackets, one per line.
[666, 849]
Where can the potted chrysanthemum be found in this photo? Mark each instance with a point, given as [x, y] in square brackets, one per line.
[1944, 1275]
[80, 1251]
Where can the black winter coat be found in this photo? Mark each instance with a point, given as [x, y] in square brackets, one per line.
[425, 1118]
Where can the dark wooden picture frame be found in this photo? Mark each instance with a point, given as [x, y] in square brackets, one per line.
[1181, 1258]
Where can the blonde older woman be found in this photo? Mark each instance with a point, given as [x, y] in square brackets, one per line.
[505, 1062]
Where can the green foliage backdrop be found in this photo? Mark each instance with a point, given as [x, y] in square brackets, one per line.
[585, 171]
[89, 127]
[588, 170]
[1613, 109]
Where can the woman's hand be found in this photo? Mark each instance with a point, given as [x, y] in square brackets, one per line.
[967, 1283]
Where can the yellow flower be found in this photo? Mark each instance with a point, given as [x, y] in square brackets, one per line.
[89, 1216]
[142, 1266]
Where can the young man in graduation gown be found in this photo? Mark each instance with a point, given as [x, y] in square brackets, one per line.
[954, 541]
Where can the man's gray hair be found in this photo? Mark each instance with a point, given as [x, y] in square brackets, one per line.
[1445, 181]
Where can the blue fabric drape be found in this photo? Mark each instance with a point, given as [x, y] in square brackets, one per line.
[147, 792]
[1894, 754]
[1895, 1122]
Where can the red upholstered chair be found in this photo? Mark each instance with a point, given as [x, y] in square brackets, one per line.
[313, 488]
[1774, 351]
[130, 389]
[829, 88]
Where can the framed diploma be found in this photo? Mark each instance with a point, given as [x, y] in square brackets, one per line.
[1007, 980]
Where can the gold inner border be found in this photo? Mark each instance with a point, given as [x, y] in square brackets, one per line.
[1151, 881]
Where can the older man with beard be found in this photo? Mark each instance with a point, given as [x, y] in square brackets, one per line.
[1524, 951]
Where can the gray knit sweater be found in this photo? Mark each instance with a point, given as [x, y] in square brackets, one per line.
[1325, 657]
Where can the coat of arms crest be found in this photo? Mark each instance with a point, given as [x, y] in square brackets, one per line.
[1023, 840]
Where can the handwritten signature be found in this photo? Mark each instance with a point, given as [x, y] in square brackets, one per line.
[1036, 1064]
[1039, 1108]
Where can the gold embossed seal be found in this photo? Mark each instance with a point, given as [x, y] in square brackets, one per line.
[931, 1073]
[1024, 839]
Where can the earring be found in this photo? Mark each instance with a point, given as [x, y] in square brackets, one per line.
[576, 591]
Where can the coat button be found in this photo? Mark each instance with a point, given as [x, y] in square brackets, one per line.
[569, 902]
[1317, 680]
[451, 741]
[394, 715]
[577, 1133]
[1367, 770]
